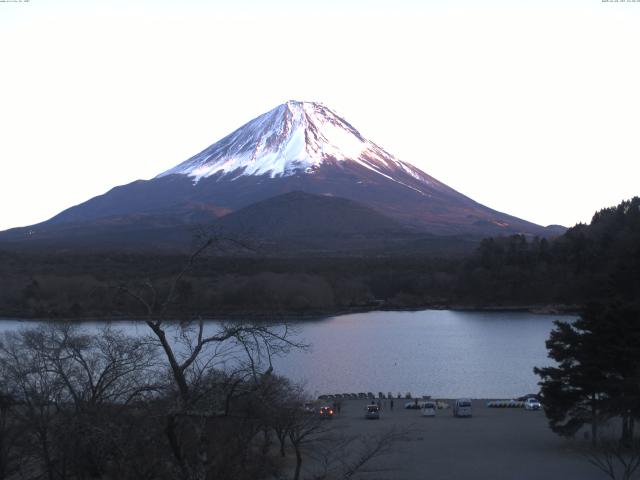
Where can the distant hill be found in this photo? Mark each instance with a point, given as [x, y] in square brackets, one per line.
[298, 221]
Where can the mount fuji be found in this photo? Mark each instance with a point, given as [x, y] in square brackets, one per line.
[293, 138]
[302, 147]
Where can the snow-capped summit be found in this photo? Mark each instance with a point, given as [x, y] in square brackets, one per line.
[295, 137]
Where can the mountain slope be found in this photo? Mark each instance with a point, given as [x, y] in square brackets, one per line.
[298, 146]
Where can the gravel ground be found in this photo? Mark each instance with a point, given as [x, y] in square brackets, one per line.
[493, 444]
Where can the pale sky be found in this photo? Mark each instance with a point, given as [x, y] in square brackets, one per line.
[531, 108]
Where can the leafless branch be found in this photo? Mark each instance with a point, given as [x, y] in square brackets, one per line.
[615, 459]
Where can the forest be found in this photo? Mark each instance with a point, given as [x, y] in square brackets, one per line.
[590, 262]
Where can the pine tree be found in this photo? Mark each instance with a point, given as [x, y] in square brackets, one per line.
[597, 376]
[572, 391]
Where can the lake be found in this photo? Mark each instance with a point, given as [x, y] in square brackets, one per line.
[443, 353]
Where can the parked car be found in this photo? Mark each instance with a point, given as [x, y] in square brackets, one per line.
[532, 404]
[462, 407]
[429, 408]
[372, 412]
[413, 404]
[326, 412]
[308, 407]
[528, 395]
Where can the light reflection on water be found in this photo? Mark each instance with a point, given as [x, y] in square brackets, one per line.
[439, 353]
[442, 353]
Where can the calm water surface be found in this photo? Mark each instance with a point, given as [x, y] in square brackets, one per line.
[442, 353]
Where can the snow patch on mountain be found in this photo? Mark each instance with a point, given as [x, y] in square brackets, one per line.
[296, 137]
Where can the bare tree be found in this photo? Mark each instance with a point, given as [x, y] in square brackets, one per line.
[243, 350]
[618, 460]
[344, 456]
[107, 368]
[10, 431]
[285, 412]
[40, 394]
[66, 385]
[305, 429]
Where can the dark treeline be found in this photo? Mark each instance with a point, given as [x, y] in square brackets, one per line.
[588, 262]
[76, 286]
[595, 262]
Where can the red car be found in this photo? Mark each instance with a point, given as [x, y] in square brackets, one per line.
[326, 412]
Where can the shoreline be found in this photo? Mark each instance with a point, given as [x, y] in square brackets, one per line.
[542, 309]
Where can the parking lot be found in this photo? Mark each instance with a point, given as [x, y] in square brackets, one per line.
[495, 443]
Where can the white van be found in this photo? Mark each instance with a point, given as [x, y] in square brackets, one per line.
[428, 409]
[462, 407]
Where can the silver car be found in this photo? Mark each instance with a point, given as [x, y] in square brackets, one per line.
[462, 407]
[532, 404]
